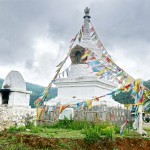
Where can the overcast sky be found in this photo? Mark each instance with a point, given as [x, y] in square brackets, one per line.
[35, 34]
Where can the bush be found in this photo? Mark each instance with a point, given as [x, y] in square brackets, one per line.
[96, 131]
[109, 132]
[92, 134]
[14, 129]
[36, 129]
[117, 129]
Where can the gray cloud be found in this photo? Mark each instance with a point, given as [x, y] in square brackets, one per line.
[121, 25]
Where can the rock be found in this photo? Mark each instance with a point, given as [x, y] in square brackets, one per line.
[10, 116]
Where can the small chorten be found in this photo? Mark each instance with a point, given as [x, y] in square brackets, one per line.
[13, 92]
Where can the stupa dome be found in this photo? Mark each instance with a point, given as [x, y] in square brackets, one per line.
[14, 80]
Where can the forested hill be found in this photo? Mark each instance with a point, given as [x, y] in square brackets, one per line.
[123, 97]
[36, 91]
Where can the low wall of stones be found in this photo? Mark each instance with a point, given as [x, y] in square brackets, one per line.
[115, 115]
[16, 116]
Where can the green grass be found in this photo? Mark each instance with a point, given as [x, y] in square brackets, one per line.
[56, 133]
[148, 131]
[74, 129]
[90, 132]
[10, 142]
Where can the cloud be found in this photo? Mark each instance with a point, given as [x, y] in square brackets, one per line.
[35, 34]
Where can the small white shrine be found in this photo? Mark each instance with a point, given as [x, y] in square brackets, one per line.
[13, 92]
[14, 102]
[80, 83]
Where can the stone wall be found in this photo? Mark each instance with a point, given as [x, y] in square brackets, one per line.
[115, 115]
[16, 116]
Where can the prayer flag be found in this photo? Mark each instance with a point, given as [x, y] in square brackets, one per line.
[90, 59]
[97, 99]
[117, 92]
[82, 28]
[37, 102]
[79, 105]
[88, 104]
[97, 68]
[108, 59]
[100, 45]
[137, 85]
[93, 63]
[92, 29]
[62, 108]
[54, 108]
[39, 112]
[87, 53]
[123, 127]
[129, 80]
[102, 71]
[80, 36]
[126, 88]
[74, 38]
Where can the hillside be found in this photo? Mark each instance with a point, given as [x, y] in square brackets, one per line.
[125, 97]
[36, 91]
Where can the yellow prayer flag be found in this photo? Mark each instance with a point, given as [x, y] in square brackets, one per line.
[85, 55]
[102, 71]
[137, 85]
[39, 112]
[62, 108]
[129, 80]
[89, 103]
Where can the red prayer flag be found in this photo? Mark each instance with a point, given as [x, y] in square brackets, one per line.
[92, 29]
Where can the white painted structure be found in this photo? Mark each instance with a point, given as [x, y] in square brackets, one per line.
[14, 102]
[82, 87]
[13, 92]
[81, 83]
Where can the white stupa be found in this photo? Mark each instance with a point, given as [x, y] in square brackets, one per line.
[14, 102]
[13, 92]
[81, 84]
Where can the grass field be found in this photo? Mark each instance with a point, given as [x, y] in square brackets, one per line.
[12, 138]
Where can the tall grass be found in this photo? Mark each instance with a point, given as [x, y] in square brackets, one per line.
[92, 131]
[70, 124]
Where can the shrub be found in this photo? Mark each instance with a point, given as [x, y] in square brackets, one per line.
[92, 134]
[14, 129]
[117, 129]
[109, 132]
[96, 131]
[36, 129]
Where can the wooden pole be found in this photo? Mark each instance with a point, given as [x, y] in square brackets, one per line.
[140, 120]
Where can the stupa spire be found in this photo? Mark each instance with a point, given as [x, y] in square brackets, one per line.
[86, 31]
